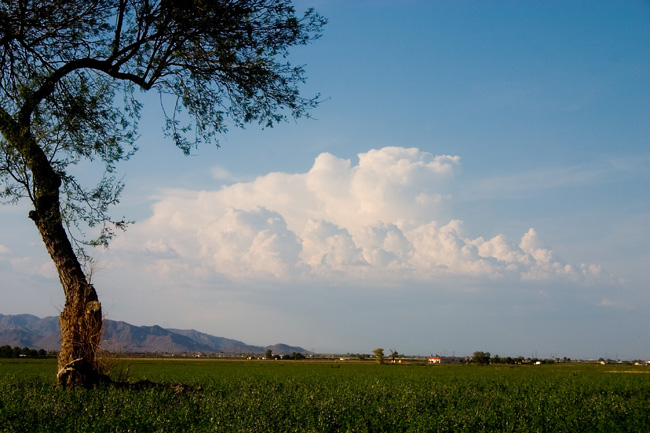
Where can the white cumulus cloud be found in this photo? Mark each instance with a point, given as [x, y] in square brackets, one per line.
[374, 220]
[256, 241]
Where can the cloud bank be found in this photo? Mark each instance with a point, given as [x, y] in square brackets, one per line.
[379, 220]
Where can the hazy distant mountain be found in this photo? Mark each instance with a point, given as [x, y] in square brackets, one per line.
[25, 330]
[220, 344]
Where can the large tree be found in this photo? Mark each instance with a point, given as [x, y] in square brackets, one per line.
[70, 72]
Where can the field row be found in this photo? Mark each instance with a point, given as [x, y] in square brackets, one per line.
[329, 397]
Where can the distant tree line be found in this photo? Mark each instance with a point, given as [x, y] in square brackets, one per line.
[484, 358]
[295, 356]
[7, 351]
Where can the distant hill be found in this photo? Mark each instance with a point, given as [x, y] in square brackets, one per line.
[25, 330]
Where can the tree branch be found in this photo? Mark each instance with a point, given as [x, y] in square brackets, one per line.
[118, 28]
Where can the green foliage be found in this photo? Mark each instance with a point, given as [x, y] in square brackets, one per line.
[481, 358]
[379, 355]
[69, 72]
[7, 351]
[253, 396]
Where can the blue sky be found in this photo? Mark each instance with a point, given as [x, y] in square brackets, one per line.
[476, 179]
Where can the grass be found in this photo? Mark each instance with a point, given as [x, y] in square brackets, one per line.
[239, 396]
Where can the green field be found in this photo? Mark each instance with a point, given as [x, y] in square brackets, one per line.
[268, 396]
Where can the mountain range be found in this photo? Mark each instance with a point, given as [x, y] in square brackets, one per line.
[26, 330]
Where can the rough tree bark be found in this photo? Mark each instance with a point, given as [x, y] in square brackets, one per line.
[81, 319]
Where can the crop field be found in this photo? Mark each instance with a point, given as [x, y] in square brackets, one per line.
[308, 396]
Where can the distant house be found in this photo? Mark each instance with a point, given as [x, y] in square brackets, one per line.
[434, 360]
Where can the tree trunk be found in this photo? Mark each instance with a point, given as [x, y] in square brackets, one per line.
[81, 318]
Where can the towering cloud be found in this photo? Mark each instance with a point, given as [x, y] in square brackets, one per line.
[374, 220]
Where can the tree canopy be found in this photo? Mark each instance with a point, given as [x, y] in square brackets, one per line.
[70, 69]
[379, 355]
[482, 358]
